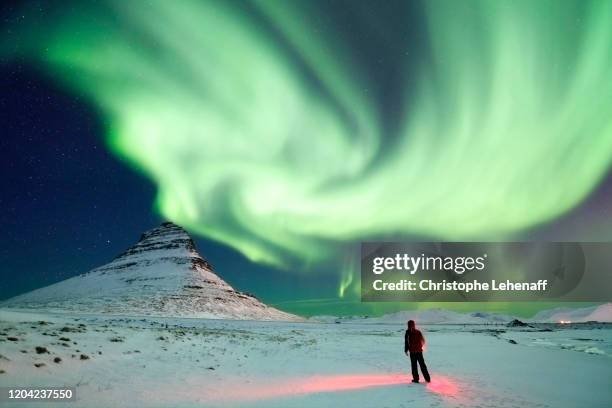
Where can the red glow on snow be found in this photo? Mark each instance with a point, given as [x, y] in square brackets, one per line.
[315, 384]
[240, 389]
[349, 382]
[294, 387]
[443, 386]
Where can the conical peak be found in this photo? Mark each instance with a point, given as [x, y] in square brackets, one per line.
[165, 229]
[162, 274]
[167, 237]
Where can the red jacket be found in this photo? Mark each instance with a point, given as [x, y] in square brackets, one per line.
[413, 341]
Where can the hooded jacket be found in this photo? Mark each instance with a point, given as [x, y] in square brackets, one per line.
[413, 339]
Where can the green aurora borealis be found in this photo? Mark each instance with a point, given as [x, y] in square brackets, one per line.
[262, 129]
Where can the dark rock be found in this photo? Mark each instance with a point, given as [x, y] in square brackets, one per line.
[57, 360]
[193, 287]
[517, 323]
[41, 350]
[12, 339]
[67, 329]
[512, 341]
[38, 365]
[84, 357]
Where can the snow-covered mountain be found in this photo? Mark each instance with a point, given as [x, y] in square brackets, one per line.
[600, 313]
[161, 275]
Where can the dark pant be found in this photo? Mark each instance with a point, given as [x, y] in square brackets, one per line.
[414, 357]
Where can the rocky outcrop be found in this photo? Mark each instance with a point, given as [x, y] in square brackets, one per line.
[517, 323]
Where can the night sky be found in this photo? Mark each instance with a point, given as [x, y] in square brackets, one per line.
[77, 187]
[68, 205]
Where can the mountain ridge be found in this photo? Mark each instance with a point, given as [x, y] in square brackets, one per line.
[599, 313]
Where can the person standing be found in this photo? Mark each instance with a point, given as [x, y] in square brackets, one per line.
[413, 346]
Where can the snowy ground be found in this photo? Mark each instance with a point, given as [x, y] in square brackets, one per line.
[158, 362]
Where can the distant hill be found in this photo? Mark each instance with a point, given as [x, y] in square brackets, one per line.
[601, 313]
[428, 316]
